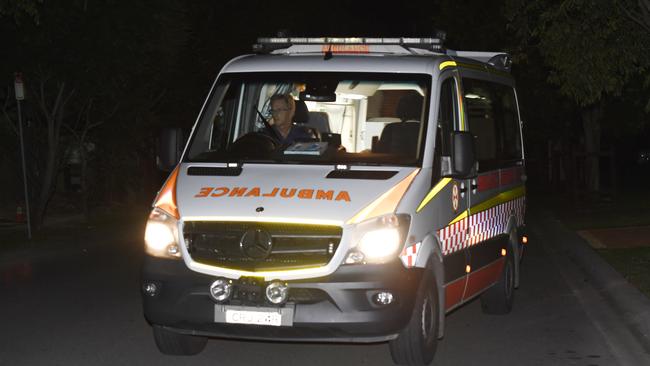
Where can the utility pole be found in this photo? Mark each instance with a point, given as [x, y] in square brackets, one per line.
[20, 95]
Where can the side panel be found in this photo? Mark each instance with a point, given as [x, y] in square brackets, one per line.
[486, 263]
[448, 198]
[498, 193]
[455, 278]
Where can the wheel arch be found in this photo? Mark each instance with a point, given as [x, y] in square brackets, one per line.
[431, 258]
[513, 239]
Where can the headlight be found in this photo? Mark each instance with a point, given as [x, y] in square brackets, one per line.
[378, 240]
[161, 235]
[380, 243]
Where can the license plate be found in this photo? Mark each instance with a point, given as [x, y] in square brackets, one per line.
[254, 315]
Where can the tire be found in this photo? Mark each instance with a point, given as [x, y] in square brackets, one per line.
[416, 344]
[498, 299]
[176, 344]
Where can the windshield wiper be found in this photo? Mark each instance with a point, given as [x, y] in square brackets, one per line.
[268, 125]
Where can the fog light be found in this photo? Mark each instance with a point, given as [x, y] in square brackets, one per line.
[150, 289]
[221, 289]
[383, 298]
[173, 250]
[277, 292]
[354, 257]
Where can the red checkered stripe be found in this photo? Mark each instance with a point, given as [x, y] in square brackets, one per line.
[453, 236]
[409, 255]
[482, 226]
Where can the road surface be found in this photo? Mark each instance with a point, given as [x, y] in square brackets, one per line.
[82, 306]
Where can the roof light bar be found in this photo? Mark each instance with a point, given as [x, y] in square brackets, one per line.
[349, 40]
[270, 44]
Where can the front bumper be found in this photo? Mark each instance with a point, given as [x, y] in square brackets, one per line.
[337, 307]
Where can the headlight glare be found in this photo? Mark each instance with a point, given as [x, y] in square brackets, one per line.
[378, 240]
[161, 235]
[380, 243]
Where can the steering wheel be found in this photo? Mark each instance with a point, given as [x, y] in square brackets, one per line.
[254, 142]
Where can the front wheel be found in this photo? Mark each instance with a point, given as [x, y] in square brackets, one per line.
[416, 344]
[171, 343]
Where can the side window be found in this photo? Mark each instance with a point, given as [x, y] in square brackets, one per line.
[492, 113]
[479, 102]
[447, 116]
[508, 123]
[227, 113]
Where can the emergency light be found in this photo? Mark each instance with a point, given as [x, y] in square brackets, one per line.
[269, 44]
[360, 45]
[351, 40]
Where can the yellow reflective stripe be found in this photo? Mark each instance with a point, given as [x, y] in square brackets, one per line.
[499, 199]
[460, 105]
[437, 188]
[265, 274]
[447, 64]
[458, 218]
[492, 202]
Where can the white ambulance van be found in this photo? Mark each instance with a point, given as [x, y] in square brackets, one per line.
[394, 194]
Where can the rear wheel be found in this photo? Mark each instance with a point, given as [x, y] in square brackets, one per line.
[171, 343]
[499, 298]
[416, 344]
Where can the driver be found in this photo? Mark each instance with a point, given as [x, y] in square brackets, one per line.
[283, 109]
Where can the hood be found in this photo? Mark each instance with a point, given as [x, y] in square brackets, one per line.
[286, 193]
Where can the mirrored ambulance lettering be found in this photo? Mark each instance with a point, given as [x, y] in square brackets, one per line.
[305, 193]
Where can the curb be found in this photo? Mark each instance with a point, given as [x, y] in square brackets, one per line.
[632, 305]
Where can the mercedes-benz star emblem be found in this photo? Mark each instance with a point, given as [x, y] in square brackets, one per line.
[256, 243]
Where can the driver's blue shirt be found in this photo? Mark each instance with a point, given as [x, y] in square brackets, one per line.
[297, 133]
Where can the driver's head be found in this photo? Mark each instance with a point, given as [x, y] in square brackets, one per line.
[283, 108]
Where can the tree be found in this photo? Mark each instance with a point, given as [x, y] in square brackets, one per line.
[639, 14]
[19, 10]
[592, 50]
[81, 51]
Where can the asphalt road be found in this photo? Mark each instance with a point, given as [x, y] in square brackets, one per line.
[82, 307]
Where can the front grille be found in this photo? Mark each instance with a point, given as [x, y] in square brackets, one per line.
[292, 246]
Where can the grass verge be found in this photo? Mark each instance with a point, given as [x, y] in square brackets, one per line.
[633, 264]
[64, 230]
[629, 208]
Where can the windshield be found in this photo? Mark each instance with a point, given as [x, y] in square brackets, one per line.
[314, 118]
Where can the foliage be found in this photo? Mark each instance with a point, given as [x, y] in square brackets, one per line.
[111, 55]
[593, 52]
[639, 12]
[19, 10]
[586, 43]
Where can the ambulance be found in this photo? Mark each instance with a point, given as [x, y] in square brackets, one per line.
[403, 198]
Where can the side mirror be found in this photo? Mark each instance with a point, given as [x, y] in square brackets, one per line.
[170, 148]
[463, 159]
